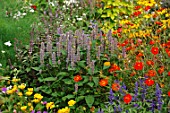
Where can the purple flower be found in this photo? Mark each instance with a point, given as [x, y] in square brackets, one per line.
[4, 90]
[158, 94]
[45, 112]
[38, 111]
[111, 97]
[33, 111]
[45, 102]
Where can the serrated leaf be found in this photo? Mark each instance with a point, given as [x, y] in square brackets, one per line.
[89, 100]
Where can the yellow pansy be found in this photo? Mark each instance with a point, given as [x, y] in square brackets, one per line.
[72, 102]
[22, 86]
[20, 94]
[23, 108]
[28, 93]
[64, 110]
[30, 89]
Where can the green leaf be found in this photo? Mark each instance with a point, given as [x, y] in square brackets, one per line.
[104, 16]
[91, 84]
[62, 74]
[67, 81]
[105, 67]
[96, 80]
[49, 79]
[80, 98]
[67, 97]
[81, 64]
[89, 100]
[35, 68]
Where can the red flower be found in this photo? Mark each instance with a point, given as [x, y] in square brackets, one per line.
[149, 82]
[169, 73]
[137, 13]
[127, 98]
[158, 23]
[155, 50]
[34, 7]
[168, 52]
[152, 42]
[119, 30]
[147, 8]
[137, 7]
[77, 78]
[103, 82]
[138, 66]
[169, 93]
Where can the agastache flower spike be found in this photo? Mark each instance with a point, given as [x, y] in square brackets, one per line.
[92, 66]
[53, 58]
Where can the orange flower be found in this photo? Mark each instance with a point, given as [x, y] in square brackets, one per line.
[149, 62]
[115, 86]
[133, 73]
[77, 78]
[103, 82]
[151, 73]
[113, 68]
[137, 13]
[161, 70]
[138, 66]
[154, 50]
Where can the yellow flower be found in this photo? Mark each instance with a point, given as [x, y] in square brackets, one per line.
[31, 108]
[9, 92]
[29, 104]
[20, 94]
[22, 86]
[15, 80]
[30, 89]
[107, 64]
[36, 100]
[14, 89]
[38, 96]
[50, 105]
[72, 102]
[28, 93]
[64, 110]
[23, 108]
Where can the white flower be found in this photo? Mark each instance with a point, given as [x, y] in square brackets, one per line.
[3, 51]
[9, 87]
[8, 43]
[24, 14]
[0, 65]
[32, 10]
[19, 13]
[79, 19]
[14, 16]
